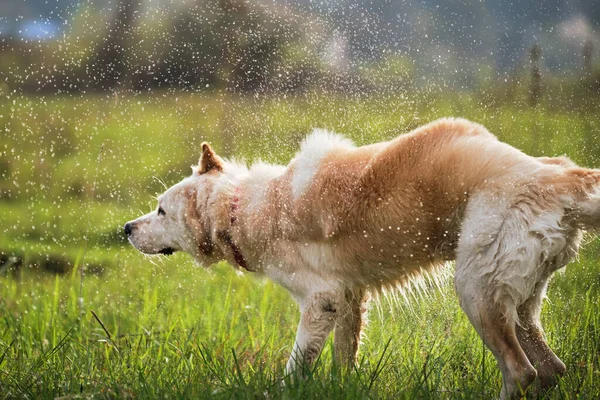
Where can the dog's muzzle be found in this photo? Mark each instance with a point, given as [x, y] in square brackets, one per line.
[129, 229]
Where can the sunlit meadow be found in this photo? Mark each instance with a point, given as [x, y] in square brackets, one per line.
[74, 169]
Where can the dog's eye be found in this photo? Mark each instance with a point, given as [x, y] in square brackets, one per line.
[160, 211]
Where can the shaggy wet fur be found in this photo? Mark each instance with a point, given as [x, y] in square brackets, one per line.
[341, 222]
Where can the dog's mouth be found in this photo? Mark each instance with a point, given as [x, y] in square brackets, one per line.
[167, 251]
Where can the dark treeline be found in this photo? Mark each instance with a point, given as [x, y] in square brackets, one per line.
[210, 44]
[243, 46]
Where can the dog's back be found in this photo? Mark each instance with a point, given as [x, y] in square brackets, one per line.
[393, 208]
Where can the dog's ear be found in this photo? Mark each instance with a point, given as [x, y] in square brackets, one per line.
[209, 160]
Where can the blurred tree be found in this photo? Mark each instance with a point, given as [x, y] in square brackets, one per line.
[231, 44]
[535, 88]
[108, 67]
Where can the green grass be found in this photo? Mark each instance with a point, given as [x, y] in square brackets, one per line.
[172, 330]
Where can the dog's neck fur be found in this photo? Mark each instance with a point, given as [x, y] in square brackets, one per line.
[242, 215]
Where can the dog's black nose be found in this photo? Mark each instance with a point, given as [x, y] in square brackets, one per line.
[127, 228]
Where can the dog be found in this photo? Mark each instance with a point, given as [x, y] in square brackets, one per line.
[341, 222]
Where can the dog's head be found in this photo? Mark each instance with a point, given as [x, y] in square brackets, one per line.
[180, 222]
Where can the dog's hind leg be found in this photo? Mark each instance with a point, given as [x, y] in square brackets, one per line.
[351, 318]
[316, 322]
[497, 259]
[531, 338]
[493, 320]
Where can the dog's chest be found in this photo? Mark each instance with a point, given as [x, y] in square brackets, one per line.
[302, 268]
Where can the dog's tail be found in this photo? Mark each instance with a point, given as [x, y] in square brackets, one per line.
[586, 210]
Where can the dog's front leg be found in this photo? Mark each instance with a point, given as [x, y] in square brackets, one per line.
[316, 322]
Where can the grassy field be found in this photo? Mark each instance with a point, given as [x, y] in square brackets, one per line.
[74, 169]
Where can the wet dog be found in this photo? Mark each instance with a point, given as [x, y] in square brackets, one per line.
[340, 222]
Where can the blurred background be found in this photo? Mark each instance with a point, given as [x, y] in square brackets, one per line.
[104, 104]
[278, 46]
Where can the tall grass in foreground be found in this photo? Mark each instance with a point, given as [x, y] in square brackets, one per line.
[173, 330]
[164, 328]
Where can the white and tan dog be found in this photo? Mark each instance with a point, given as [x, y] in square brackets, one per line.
[340, 222]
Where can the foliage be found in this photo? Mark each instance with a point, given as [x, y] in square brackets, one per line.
[231, 44]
